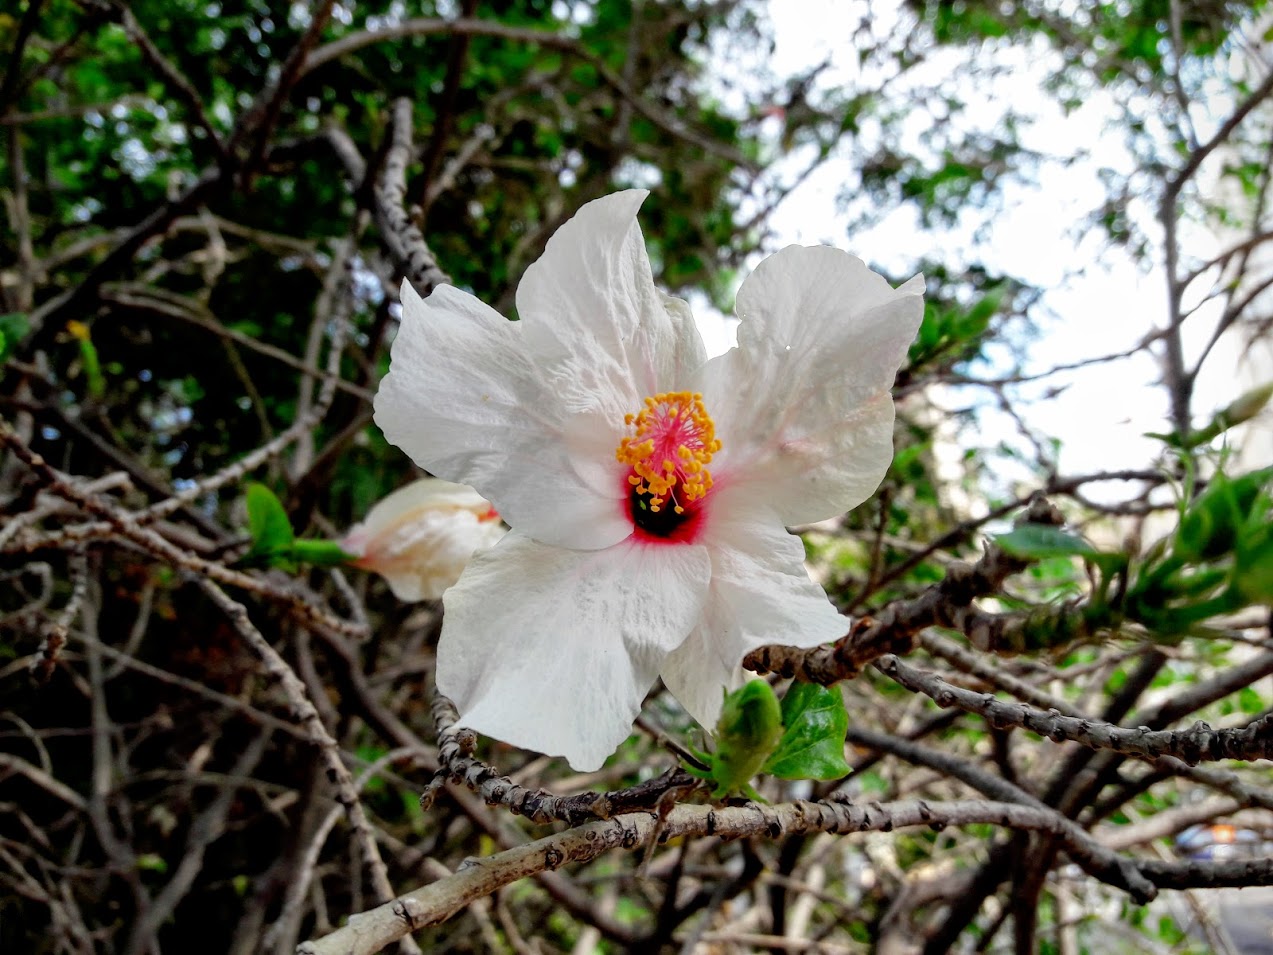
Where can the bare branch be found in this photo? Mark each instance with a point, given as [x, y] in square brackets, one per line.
[1197, 744]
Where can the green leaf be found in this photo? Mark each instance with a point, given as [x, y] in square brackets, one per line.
[812, 745]
[89, 360]
[151, 862]
[1253, 568]
[269, 526]
[1250, 701]
[1038, 541]
[1215, 522]
[13, 328]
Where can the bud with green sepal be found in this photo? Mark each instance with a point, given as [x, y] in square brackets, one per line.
[801, 739]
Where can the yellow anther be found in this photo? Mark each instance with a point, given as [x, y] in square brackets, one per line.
[673, 439]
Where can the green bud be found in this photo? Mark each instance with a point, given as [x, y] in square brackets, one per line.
[750, 721]
[747, 732]
[1239, 411]
[1247, 405]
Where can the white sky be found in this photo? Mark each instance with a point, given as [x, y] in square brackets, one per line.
[1102, 415]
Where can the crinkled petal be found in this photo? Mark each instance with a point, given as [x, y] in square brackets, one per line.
[802, 405]
[554, 650]
[760, 593]
[602, 331]
[465, 400]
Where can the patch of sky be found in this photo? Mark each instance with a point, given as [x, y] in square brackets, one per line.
[366, 284]
[574, 15]
[1032, 220]
[396, 13]
[136, 160]
[85, 210]
[642, 175]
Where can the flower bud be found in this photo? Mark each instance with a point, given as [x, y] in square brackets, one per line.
[1247, 405]
[421, 536]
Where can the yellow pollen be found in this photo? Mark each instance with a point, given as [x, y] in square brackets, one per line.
[673, 440]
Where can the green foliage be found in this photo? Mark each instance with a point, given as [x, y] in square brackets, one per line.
[90, 363]
[801, 739]
[1218, 560]
[274, 544]
[1228, 510]
[814, 722]
[951, 331]
[108, 125]
[13, 328]
[270, 529]
[1037, 541]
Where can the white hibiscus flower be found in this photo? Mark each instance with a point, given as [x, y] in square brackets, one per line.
[648, 489]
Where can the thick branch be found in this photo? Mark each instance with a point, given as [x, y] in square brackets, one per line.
[410, 253]
[435, 903]
[455, 747]
[1199, 743]
[894, 629]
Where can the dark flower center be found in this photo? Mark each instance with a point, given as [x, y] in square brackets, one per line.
[663, 523]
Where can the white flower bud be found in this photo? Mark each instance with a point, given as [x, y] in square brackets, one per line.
[420, 537]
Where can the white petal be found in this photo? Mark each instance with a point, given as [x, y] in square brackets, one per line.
[464, 400]
[802, 406]
[688, 351]
[594, 318]
[412, 498]
[553, 650]
[760, 593]
[428, 556]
